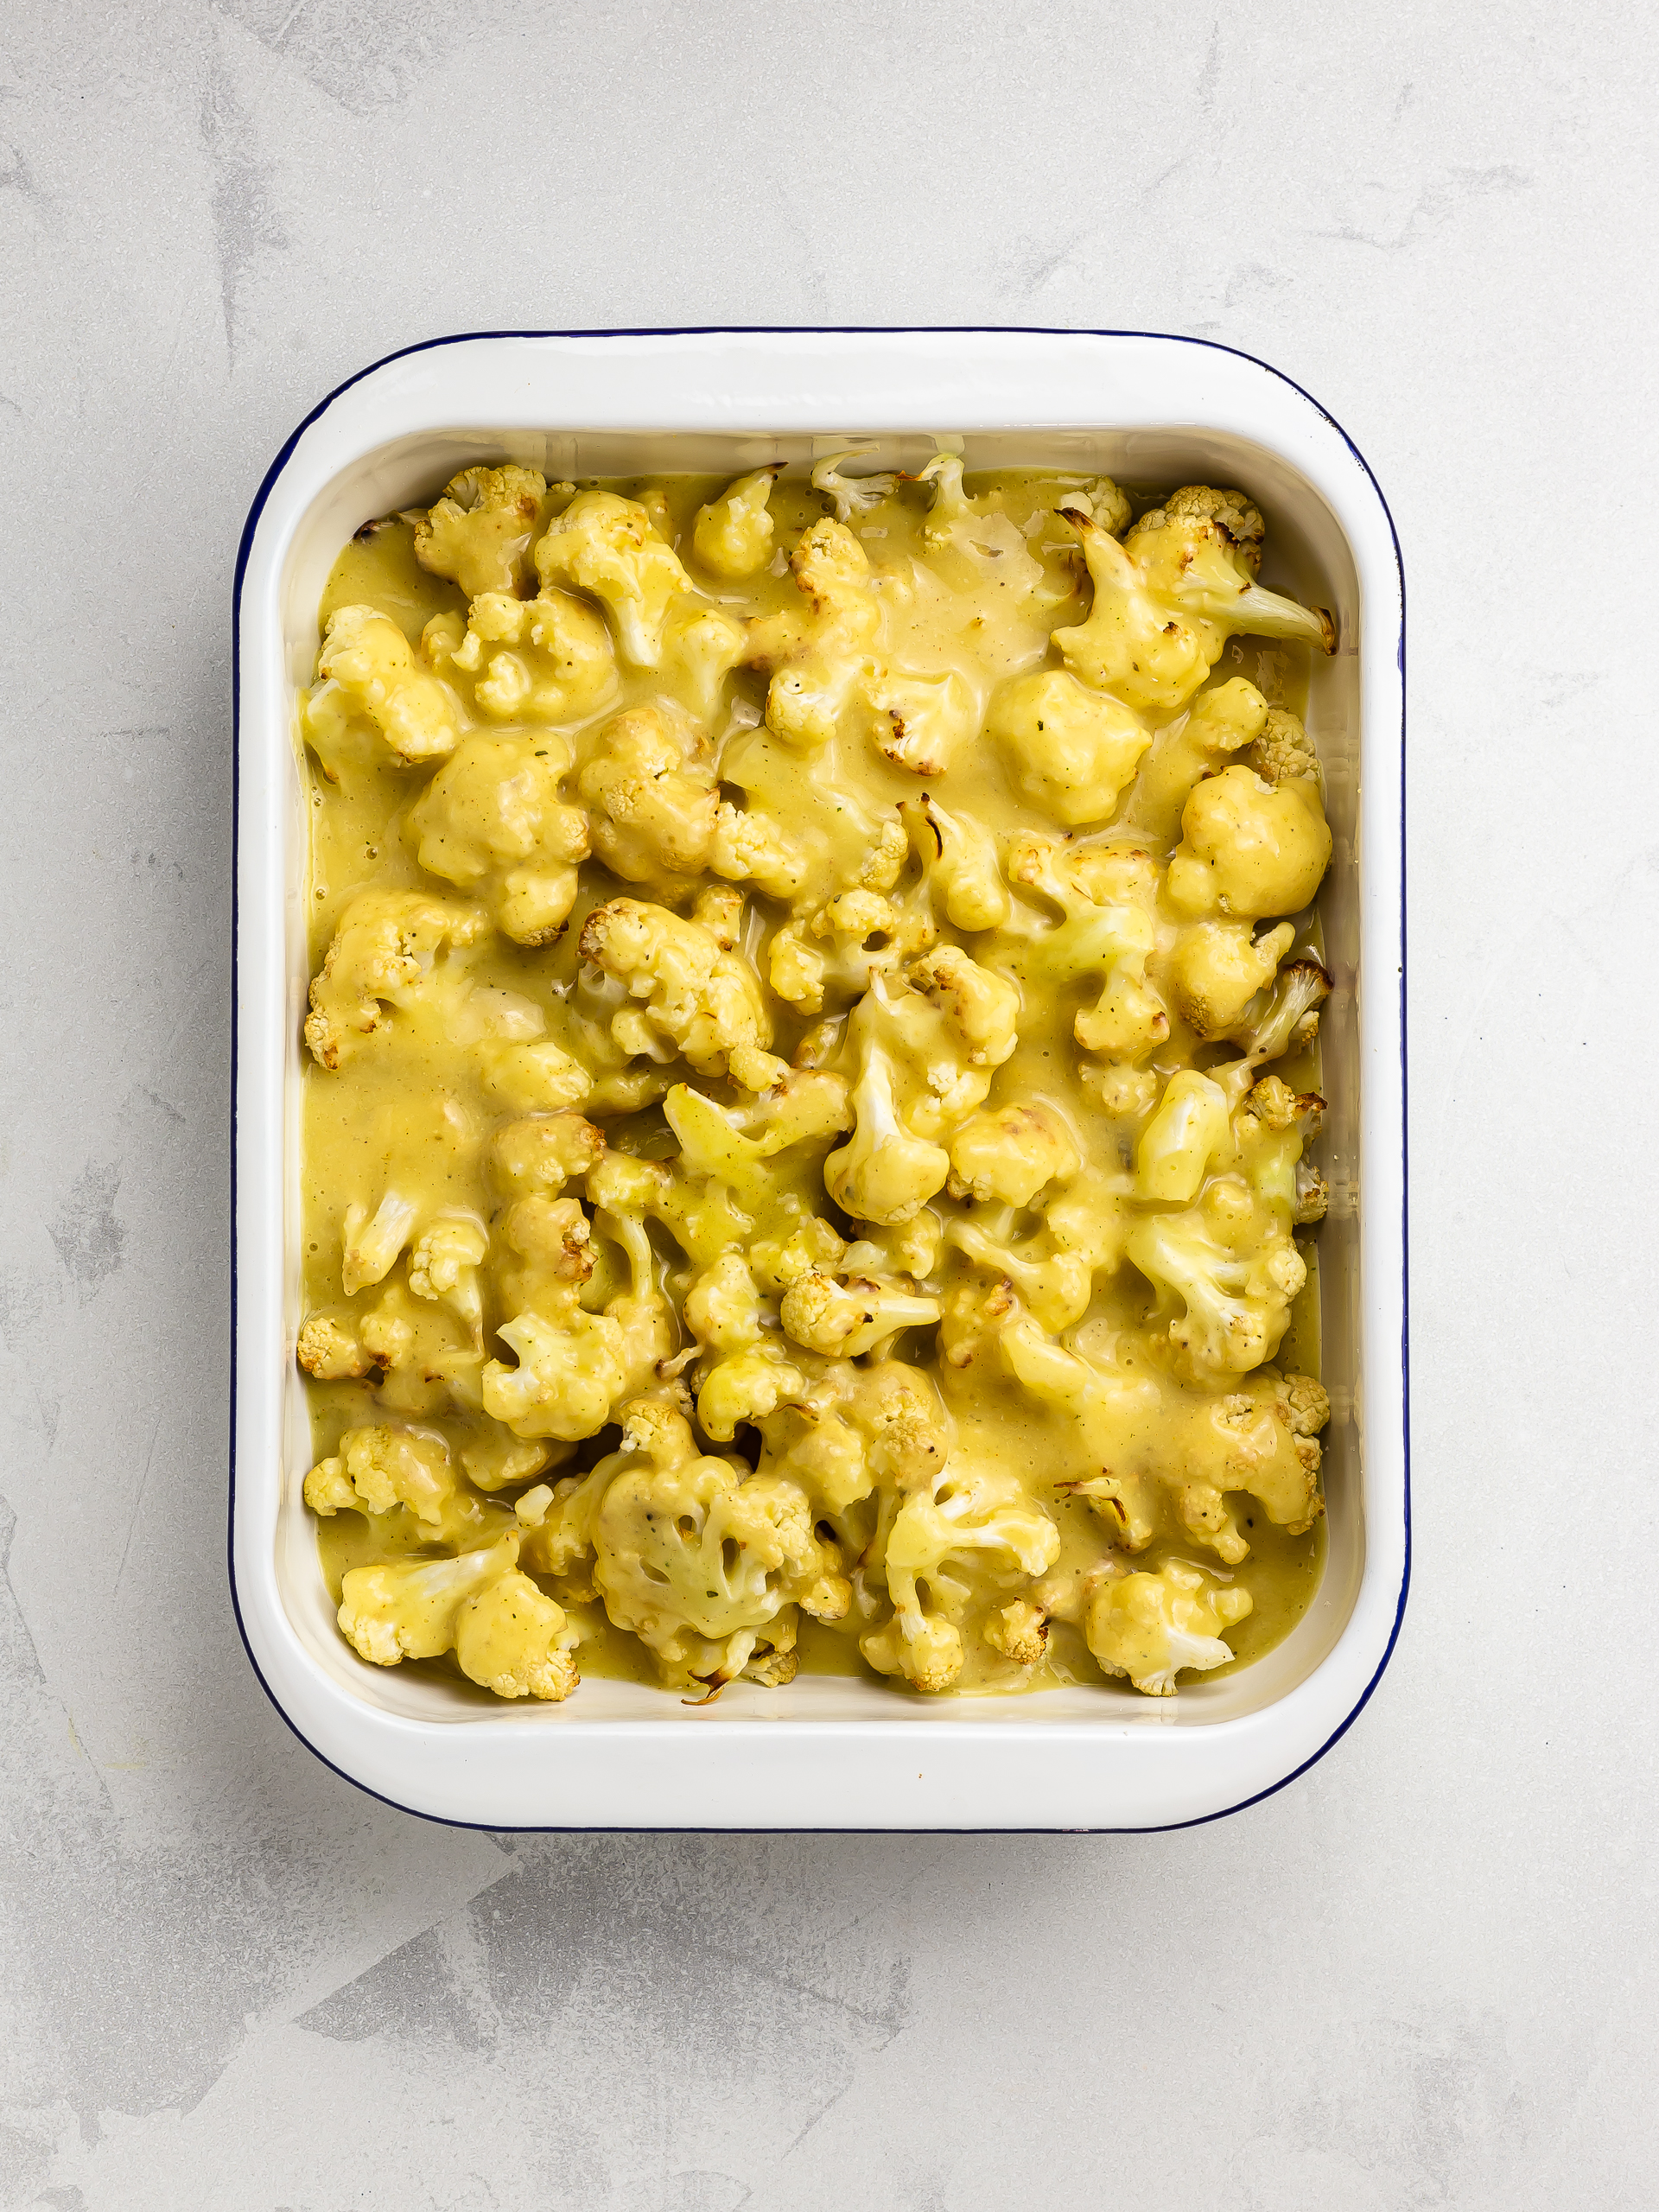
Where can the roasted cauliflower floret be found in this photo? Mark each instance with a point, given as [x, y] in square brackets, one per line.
[918, 721]
[960, 872]
[1191, 1132]
[1284, 749]
[844, 1317]
[1218, 969]
[1106, 895]
[749, 847]
[1170, 595]
[696, 1556]
[732, 535]
[651, 788]
[377, 1469]
[1153, 1627]
[966, 1526]
[1009, 1155]
[699, 1002]
[384, 953]
[1287, 1013]
[1234, 1269]
[1262, 1439]
[369, 667]
[547, 659]
[980, 1006]
[1250, 848]
[1083, 1234]
[604, 545]
[1221, 721]
[479, 533]
[884, 1174]
[408, 1608]
[817, 653]
[492, 821]
[851, 495]
[1072, 751]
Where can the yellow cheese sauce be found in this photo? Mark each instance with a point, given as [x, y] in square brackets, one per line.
[806, 1092]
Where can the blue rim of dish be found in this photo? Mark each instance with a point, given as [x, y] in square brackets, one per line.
[808, 330]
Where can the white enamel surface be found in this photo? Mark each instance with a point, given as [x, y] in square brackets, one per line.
[831, 1753]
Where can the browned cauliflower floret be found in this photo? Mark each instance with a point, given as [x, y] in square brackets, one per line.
[1284, 749]
[1010, 1154]
[1216, 970]
[1153, 1627]
[384, 953]
[848, 1315]
[376, 1470]
[492, 821]
[732, 535]
[479, 533]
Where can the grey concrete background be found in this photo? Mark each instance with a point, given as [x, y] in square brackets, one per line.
[1422, 1977]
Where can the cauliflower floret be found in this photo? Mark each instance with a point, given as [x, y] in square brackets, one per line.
[836, 950]
[1286, 1014]
[445, 1262]
[541, 1078]
[972, 1524]
[408, 1608]
[1112, 1411]
[516, 1642]
[816, 653]
[700, 1001]
[383, 952]
[1284, 749]
[479, 533]
[1081, 1236]
[1231, 1264]
[750, 848]
[604, 545]
[972, 541]
[848, 1316]
[1191, 1132]
[547, 659]
[1220, 722]
[1262, 1439]
[1216, 969]
[368, 668]
[696, 1555]
[1011, 1154]
[853, 495]
[980, 1006]
[376, 1470]
[884, 1174]
[742, 1376]
[574, 1367]
[733, 534]
[1200, 551]
[327, 1349]
[700, 647]
[543, 1152]
[958, 863]
[492, 821]
[1106, 895]
[918, 721]
[1072, 752]
[1187, 559]
[1250, 848]
[371, 1244]
[1020, 1632]
[1151, 1627]
[651, 788]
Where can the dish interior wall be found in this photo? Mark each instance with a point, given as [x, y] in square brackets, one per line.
[1308, 556]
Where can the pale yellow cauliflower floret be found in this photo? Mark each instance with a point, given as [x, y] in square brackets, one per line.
[479, 533]
[1011, 1154]
[547, 659]
[384, 953]
[493, 822]
[376, 1470]
[515, 1640]
[849, 1315]
[369, 667]
[1216, 968]
[605, 544]
[1153, 1627]
[732, 535]
[649, 782]
[1250, 848]
[407, 1608]
[697, 1000]
[1072, 751]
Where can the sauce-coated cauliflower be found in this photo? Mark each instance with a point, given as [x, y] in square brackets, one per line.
[479, 533]
[369, 667]
[651, 785]
[732, 535]
[1153, 1627]
[697, 1000]
[1072, 751]
[547, 659]
[384, 953]
[605, 544]
[492, 821]
[1250, 848]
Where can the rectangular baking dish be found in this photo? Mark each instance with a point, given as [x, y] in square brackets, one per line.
[828, 1752]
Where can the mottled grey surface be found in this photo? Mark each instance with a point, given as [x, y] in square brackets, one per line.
[1422, 1977]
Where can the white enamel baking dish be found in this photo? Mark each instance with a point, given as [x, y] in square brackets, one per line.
[828, 1752]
